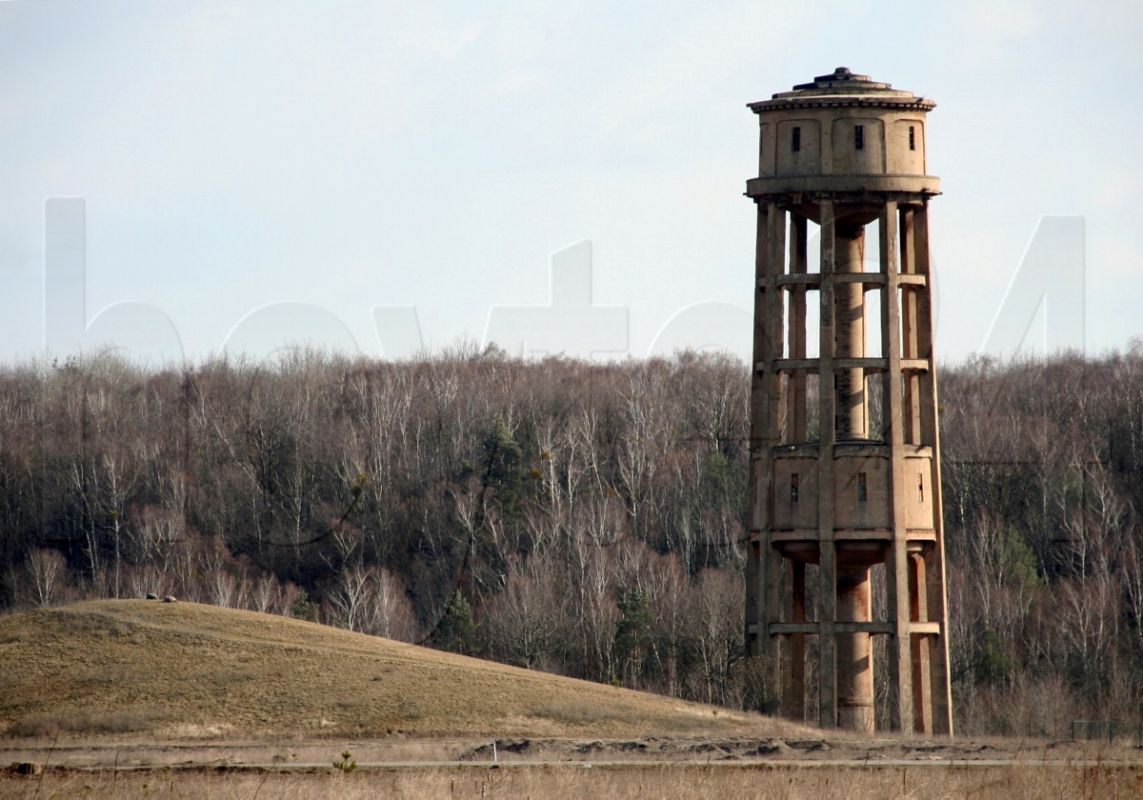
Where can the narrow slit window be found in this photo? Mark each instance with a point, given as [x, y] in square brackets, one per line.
[858, 137]
[921, 486]
[862, 488]
[912, 138]
[793, 487]
[796, 139]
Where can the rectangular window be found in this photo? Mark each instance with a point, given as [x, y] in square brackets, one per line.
[921, 486]
[912, 138]
[862, 488]
[793, 487]
[796, 139]
[858, 137]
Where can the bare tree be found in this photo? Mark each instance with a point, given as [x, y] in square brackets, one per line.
[47, 572]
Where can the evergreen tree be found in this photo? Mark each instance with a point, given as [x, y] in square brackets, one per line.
[504, 473]
[633, 633]
[454, 632]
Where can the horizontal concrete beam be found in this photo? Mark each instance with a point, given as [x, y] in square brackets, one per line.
[860, 184]
[818, 628]
[848, 535]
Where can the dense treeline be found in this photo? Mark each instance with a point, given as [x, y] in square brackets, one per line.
[573, 517]
[1042, 469]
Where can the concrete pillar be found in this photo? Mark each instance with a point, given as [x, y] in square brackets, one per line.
[765, 566]
[795, 676]
[771, 561]
[919, 646]
[930, 435]
[910, 333]
[758, 434]
[796, 386]
[827, 404]
[854, 654]
[849, 316]
[753, 602]
[897, 565]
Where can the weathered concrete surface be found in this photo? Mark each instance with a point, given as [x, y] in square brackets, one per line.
[861, 487]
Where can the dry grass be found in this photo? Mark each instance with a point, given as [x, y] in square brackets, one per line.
[187, 670]
[52, 724]
[696, 781]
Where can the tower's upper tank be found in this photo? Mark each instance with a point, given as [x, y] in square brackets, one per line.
[843, 132]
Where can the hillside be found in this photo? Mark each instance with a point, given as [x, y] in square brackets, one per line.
[184, 669]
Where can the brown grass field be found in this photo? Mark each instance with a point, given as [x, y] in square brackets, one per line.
[182, 670]
[617, 782]
[145, 699]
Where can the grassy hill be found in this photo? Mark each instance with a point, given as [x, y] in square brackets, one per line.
[183, 669]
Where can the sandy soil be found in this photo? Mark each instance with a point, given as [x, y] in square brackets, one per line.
[136, 752]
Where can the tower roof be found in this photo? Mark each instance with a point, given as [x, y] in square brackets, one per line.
[842, 87]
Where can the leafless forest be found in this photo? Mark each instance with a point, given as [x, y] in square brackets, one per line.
[577, 518]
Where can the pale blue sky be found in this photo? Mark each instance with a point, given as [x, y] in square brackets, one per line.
[353, 154]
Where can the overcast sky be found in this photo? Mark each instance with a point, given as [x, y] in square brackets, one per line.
[346, 155]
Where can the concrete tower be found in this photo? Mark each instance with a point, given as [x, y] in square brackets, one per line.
[845, 471]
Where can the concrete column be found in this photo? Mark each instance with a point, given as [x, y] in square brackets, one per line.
[849, 317]
[771, 562]
[924, 326]
[753, 602]
[897, 564]
[919, 645]
[910, 335]
[827, 403]
[764, 569]
[758, 434]
[795, 675]
[796, 385]
[854, 655]
[930, 434]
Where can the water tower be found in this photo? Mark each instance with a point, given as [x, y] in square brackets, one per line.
[844, 445]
